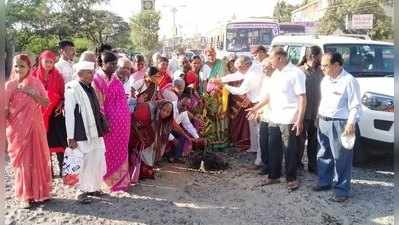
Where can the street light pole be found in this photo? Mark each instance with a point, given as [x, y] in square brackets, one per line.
[174, 11]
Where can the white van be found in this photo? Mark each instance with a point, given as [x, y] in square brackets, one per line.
[372, 63]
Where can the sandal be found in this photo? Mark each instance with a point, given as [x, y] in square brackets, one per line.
[96, 193]
[271, 181]
[293, 185]
[83, 199]
[26, 205]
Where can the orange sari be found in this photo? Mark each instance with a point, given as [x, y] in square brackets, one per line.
[27, 142]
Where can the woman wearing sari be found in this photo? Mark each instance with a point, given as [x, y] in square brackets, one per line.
[54, 120]
[165, 80]
[26, 135]
[116, 111]
[218, 122]
[238, 122]
[150, 131]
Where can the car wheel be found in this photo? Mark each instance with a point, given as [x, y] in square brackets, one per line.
[360, 150]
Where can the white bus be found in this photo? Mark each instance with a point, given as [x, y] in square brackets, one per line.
[238, 36]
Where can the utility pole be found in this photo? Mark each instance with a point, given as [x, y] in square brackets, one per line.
[174, 11]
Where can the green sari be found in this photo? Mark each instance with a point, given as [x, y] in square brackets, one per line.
[216, 127]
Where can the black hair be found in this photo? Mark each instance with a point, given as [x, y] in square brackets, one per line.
[195, 57]
[261, 48]
[151, 71]
[65, 43]
[335, 57]
[102, 48]
[163, 59]
[314, 50]
[106, 57]
[187, 93]
[139, 58]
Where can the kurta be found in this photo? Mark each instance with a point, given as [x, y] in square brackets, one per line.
[82, 112]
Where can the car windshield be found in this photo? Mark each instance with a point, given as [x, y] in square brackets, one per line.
[362, 60]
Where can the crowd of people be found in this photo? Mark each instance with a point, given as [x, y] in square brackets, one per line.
[125, 115]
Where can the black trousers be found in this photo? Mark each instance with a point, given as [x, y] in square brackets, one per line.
[309, 133]
[283, 141]
[264, 144]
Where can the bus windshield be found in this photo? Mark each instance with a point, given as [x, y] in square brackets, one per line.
[241, 38]
[365, 60]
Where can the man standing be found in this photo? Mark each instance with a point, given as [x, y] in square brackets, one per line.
[339, 112]
[264, 117]
[310, 65]
[85, 130]
[287, 103]
[251, 86]
[65, 63]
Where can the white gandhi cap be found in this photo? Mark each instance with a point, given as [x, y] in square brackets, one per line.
[83, 65]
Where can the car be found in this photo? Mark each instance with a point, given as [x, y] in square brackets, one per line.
[372, 63]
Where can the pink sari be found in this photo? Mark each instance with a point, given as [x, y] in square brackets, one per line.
[27, 143]
[117, 113]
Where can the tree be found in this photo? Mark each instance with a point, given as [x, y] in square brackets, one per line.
[334, 18]
[104, 27]
[144, 35]
[282, 11]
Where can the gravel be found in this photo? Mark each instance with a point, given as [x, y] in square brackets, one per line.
[179, 196]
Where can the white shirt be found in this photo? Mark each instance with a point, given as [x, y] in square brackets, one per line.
[265, 110]
[65, 68]
[340, 97]
[127, 87]
[183, 119]
[204, 72]
[284, 89]
[251, 86]
[177, 74]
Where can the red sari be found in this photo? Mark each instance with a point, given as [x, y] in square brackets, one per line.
[27, 143]
[147, 141]
[54, 85]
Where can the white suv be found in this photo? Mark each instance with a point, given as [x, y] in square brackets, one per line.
[372, 63]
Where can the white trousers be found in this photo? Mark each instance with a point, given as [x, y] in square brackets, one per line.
[93, 167]
[254, 138]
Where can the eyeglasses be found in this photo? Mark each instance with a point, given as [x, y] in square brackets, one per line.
[325, 65]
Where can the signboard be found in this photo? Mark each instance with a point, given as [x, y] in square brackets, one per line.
[147, 5]
[362, 21]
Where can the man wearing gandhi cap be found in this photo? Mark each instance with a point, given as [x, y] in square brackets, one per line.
[85, 126]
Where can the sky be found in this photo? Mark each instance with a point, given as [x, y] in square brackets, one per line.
[196, 16]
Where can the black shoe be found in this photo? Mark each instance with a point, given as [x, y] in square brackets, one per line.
[321, 188]
[263, 172]
[312, 170]
[338, 199]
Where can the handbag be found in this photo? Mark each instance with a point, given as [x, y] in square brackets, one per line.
[73, 159]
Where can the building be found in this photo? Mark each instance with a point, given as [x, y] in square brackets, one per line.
[311, 13]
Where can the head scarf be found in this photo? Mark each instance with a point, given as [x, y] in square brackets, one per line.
[53, 83]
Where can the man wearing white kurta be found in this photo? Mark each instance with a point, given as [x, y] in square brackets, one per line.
[85, 130]
[251, 86]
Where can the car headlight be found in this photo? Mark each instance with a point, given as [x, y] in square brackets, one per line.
[378, 102]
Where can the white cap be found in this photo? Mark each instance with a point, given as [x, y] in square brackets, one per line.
[83, 65]
[348, 141]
